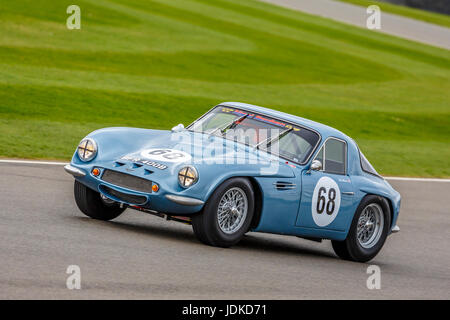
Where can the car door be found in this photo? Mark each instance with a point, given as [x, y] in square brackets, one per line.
[327, 192]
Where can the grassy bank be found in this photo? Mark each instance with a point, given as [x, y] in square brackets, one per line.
[157, 63]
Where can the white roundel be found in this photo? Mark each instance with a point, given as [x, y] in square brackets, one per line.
[326, 201]
[167, 155]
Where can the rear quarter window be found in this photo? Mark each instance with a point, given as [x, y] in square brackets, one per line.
[366, 166]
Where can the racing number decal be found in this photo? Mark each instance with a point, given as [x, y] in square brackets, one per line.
[322, 201]
[326, 201]
[168, 155]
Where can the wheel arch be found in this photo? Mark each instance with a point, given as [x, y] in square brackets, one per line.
[258, 202]
[383, 189]
[389, 202]
[257, 193]
[391, 208]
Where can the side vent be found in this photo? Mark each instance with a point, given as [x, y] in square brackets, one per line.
[146, 171]
[136, 165]
[281, 185]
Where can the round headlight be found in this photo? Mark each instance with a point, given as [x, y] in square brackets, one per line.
[87, 149]
[187, 176]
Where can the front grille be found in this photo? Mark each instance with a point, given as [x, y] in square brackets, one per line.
[125, 197]
[127, 181]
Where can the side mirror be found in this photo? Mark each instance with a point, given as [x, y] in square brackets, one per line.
[316, 165]
[178, 128]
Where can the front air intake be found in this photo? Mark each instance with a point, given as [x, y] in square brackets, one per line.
[124, 197]
[127, 181]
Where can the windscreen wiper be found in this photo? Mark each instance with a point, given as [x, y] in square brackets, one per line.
[270, 140]
[231, 125]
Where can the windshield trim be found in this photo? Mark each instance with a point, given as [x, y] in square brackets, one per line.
[313, 150]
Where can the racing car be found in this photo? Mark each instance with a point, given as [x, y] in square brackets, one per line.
[241, 168]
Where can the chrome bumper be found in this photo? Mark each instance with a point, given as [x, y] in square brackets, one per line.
[185, 201]
[74, 171]
[395, 229]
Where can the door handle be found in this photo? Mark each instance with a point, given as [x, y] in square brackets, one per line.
[349, 193]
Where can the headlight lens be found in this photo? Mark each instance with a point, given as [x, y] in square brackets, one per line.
[187, 176]
[87, 149]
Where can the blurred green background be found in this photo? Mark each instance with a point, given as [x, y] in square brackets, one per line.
[155, 64]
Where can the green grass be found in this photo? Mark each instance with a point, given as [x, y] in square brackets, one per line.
[154, 64]
[431, 17]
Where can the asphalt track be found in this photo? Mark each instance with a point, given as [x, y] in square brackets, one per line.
[393, 24]
[140, 256]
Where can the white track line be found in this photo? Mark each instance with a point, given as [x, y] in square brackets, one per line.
[417, 179]
[53, 163]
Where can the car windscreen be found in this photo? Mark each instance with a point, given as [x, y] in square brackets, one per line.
[275, 136]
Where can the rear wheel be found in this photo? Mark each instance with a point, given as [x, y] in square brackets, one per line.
[92, 204]
[227, 214]
[368, 232]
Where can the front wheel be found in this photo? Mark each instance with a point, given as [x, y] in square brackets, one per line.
[368, 232]
[91, 203]
[227, 214]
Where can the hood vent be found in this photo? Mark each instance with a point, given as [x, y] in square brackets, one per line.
[281, 185]
[118, 164]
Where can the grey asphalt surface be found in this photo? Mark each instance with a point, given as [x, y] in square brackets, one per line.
[396, 25]
[140, 256]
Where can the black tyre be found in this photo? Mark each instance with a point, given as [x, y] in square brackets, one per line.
[92, 205]
[368, 232]
[340, 248]
[227, 214]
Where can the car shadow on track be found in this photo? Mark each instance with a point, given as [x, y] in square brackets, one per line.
[282, 245]
[150, 230]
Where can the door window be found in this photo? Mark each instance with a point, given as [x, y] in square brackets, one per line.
[334, 151]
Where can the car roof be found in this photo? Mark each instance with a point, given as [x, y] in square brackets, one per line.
[323, 129]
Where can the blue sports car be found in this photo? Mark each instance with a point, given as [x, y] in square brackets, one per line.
[241, 168]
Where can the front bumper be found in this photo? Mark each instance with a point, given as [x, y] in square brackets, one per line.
[163, 200]
[74, 171]
[185, 201]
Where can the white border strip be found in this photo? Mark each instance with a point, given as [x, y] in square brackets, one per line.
[54, 163]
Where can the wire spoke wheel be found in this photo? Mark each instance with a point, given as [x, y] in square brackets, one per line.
[227, 214]
[232, 210]
[368, 231]
[370, 225]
